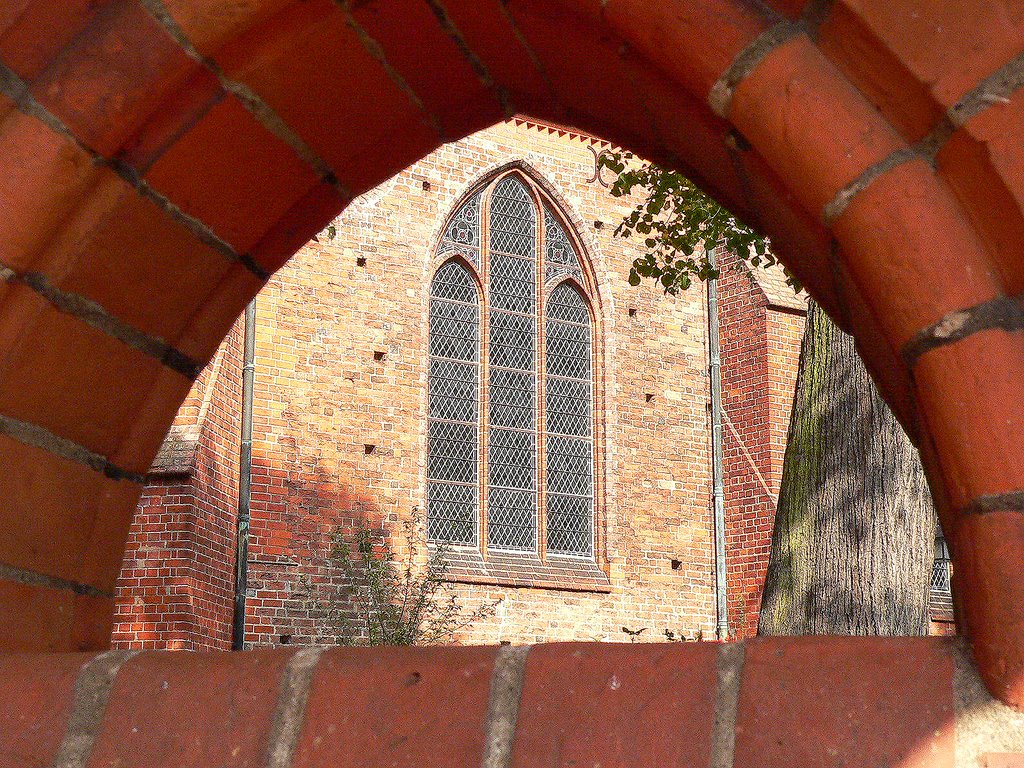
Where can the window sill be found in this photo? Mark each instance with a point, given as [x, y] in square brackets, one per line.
[940, 606]
[513, 569]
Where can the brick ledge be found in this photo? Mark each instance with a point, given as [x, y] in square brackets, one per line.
[567, 574]
[805, 701]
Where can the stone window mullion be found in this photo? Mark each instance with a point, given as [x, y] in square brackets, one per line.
[542, 495]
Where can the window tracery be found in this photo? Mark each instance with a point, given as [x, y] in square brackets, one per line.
[462, 235]
[485, 470]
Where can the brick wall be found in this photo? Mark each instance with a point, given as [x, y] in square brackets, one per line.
[762, 323]
[340, 420]
[891, 701]
[94, 261]
[176, 584]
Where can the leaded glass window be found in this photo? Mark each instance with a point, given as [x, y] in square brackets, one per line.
[521, 246]
[453, 406]
[570, 459]
[941, 566]
[512, 441]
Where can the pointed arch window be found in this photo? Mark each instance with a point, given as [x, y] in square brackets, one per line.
[570, 455]
[524, 397]
[453, 406]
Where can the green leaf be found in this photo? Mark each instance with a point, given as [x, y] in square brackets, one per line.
[676, 219]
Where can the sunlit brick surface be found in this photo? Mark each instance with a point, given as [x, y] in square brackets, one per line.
[131, 261]
[320, 401]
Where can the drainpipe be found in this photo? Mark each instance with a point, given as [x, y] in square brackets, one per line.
[718, 484]
[244, 482]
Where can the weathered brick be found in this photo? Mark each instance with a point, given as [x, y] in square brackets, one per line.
[43, 686]
[617, 705]
[431, 696]
[826, 701]
[158, 715]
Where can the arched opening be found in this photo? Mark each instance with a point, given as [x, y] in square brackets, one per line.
[137, 227]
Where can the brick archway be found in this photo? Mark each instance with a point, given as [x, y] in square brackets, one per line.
[162, 157]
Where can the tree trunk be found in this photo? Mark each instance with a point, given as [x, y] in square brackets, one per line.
[854, 533]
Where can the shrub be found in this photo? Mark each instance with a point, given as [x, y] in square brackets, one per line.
[383, 601]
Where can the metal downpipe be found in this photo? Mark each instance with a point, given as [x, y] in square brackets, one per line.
[718, 483]
[244, 482]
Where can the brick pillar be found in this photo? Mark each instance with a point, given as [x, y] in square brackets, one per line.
[761, 326]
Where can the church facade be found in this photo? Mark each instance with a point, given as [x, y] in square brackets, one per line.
[460, 362]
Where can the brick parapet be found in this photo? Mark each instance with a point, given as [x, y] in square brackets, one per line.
[794, 700]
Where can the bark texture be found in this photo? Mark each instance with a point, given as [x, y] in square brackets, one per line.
[853, 544]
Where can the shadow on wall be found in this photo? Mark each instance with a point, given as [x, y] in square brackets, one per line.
[328, 568]
[298, 591]
[177, 583]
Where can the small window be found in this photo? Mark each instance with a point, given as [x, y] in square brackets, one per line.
[942, 568]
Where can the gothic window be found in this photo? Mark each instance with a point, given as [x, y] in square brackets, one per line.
[941, 567]
[453, 409]
[488, 483]
[569, 443]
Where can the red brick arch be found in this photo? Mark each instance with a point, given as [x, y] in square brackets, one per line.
[161, 158]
